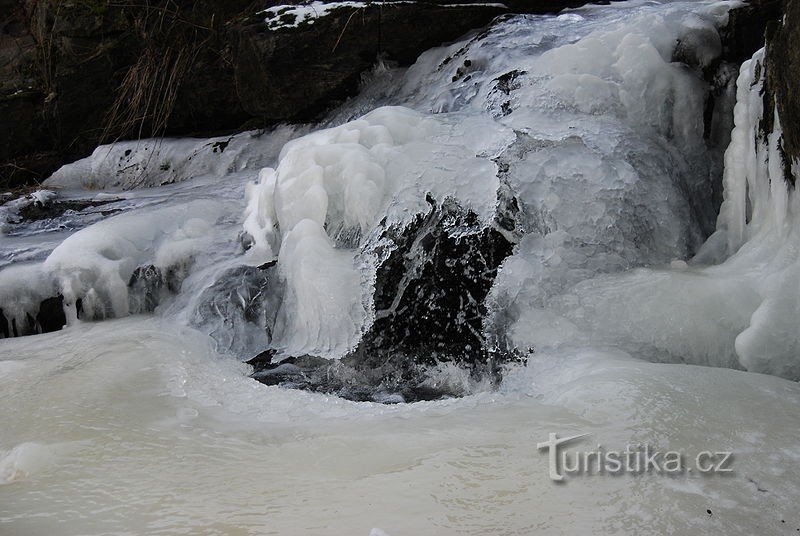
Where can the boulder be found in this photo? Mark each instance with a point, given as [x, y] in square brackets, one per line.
[430, 304]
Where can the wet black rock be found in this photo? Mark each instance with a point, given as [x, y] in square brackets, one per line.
[430, 292]
[747, 28]
[783, 80]
[430, 304]
[50, 317]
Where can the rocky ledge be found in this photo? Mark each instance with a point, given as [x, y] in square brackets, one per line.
[74, 74]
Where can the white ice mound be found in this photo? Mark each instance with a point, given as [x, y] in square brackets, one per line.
[155, 162]
[95, 264]
[384, 164]
[329, 192]
[741, 312]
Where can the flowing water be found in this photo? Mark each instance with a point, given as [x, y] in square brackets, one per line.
[649, 313]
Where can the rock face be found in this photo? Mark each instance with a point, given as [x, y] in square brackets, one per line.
[430, 291]
[776, 23]
[783, 77]
[49, 318]
[74, 74]
[747, 28]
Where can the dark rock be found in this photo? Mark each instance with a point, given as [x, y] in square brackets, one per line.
[292, 74]
[747, 31]
[783, 81]
[263, 361]
[5, 328]
[37, 211]
[430, 303]
[430, 292]
[51, 315]
[747, 28]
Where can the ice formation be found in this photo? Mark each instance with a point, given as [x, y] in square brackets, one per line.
[157, 162]
[328, 194]
[737, 313]
[94, 266]
[579, 137]
[593, 129]
[576, 138]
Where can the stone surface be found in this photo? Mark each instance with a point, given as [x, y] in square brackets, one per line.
[783, 77]
[747, 28]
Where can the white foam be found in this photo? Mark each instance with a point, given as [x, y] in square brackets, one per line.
[23, 461]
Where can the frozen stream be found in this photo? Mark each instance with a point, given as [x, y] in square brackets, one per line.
[142, 431]
[650, 314]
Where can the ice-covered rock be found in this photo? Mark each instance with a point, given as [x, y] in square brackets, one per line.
[94, 271]
[601, 163]
[155, 162]
[326, 200]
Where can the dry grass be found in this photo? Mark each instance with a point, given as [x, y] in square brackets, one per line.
[147, 94]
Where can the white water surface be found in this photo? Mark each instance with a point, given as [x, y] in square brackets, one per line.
[139, 429]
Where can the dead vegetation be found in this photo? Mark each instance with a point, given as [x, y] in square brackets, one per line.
[146, 97]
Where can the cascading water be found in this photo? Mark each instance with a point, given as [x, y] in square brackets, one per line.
[545, 188]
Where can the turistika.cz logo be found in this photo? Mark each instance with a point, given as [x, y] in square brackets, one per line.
[634, 459]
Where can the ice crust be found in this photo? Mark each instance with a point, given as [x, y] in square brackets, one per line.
[591, 125]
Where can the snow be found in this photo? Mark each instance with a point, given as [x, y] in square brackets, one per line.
[294, 16]
[156, 162]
